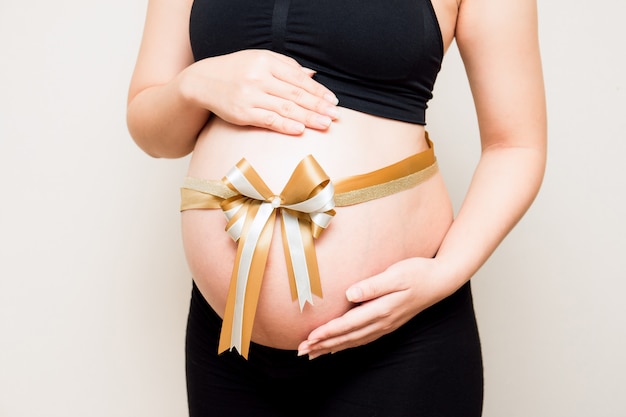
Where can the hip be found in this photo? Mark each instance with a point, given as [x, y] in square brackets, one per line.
[414, 370]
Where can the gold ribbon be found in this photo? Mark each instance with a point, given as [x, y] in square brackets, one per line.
[306, 205]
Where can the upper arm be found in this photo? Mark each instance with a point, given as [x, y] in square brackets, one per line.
[165, 49]
[498, 42]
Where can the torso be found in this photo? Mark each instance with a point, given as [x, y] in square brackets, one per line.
[361, 241]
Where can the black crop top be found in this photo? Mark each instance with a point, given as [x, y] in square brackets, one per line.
[379, 57]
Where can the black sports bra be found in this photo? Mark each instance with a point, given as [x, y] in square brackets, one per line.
[380, 57]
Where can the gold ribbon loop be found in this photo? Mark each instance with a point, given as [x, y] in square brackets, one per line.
[306, 204]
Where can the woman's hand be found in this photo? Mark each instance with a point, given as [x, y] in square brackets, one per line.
[385, 302]
[260, 88]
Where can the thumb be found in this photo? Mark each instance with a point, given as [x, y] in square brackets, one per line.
[367, 289]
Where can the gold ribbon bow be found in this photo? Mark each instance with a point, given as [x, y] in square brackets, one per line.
[306, 205]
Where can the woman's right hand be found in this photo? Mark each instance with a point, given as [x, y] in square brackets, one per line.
[260, 88]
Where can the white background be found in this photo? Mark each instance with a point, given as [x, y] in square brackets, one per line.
[93, 283]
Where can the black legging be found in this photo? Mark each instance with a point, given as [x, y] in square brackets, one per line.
[431, 366]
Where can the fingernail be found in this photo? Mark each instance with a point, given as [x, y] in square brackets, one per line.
[296, 127]
[302, 352]
[324, 121]
[314, 355]
[309, 71]
[331, 98]
[333, 112]
[354, 294]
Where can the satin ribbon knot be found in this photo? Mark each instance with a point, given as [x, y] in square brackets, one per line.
[306, 205]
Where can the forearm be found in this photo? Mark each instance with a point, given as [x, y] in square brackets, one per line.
[504, 185]
[163, 121]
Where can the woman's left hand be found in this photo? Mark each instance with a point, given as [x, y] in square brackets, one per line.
[384, 302]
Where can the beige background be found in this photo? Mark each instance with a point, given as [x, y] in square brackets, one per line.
[93, 282]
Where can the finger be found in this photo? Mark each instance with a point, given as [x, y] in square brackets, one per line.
[285, 59]
[373, 287]
[290, 110]
[301, 78]
[374, 323]
[356, 318]
[358, 337]
[304, 99]
[273, 121]
[358, 326]
[292, 62]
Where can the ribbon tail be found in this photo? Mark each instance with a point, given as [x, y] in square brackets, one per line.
[311, 258]
[301, 259]
[245, 286]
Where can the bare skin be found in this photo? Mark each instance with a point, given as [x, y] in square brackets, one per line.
[376, 259]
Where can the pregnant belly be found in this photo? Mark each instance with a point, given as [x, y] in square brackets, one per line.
[361, 241]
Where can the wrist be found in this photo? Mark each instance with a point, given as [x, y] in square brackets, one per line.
[433, 278]
[188, 94]
[448, 276]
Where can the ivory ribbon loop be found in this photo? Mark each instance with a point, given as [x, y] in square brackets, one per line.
[306, 204]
